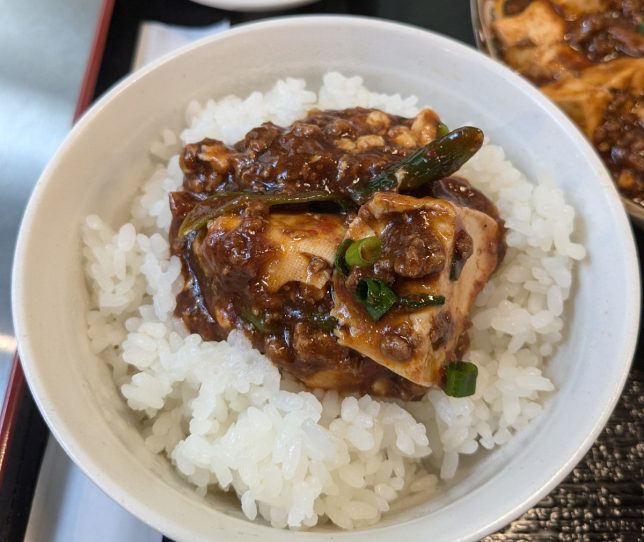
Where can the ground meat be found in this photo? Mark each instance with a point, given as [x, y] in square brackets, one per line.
[313, 346]
[199, 161]
[412, 246]
[608, 35]
[395, 347]
[620, 141]
[397, 343]
[241, 247]
[461, 192]
[463, 247]
[441, 329]
[381, 270]
[328, 150]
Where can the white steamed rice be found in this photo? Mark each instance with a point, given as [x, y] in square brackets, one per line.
[221, 412]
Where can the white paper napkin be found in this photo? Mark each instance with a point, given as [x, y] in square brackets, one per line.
[157, 39]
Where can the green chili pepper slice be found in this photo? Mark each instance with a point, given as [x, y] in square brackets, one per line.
[227, 202]
[421, 301]
[442, 129]
[436, 160]
[363, 252]
[375, 296]
[460, 379]
[198, 217]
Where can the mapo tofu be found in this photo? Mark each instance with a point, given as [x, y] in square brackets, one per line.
[342, 245]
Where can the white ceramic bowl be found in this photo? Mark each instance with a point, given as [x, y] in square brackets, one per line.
[254, 5]
[96, 171]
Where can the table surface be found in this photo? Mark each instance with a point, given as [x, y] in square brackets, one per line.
[42, 62]
[44, 47]
[602, 499]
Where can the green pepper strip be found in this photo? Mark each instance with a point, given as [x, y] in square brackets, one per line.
[227, 202]
[436, 160]
[461, 379]
[375, 296]
[420, 301]
[442, 129]
[363, 252]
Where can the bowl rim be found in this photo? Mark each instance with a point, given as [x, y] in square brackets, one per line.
[153, 514]
[254, 5]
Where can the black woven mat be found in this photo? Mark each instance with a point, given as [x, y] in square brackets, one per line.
[603, 497]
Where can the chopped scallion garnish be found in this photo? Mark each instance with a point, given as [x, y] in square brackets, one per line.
[460, 380]
[363, 252]
[375, 296]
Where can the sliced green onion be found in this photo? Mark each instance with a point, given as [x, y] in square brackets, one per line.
[363, 252]
[323, 320]
[340, 263]
[375, 296]
[442, 129]
[255, 320]
[422, 300]
[461, 379]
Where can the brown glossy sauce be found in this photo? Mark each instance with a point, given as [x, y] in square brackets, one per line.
[225, 263]
[328, 151]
